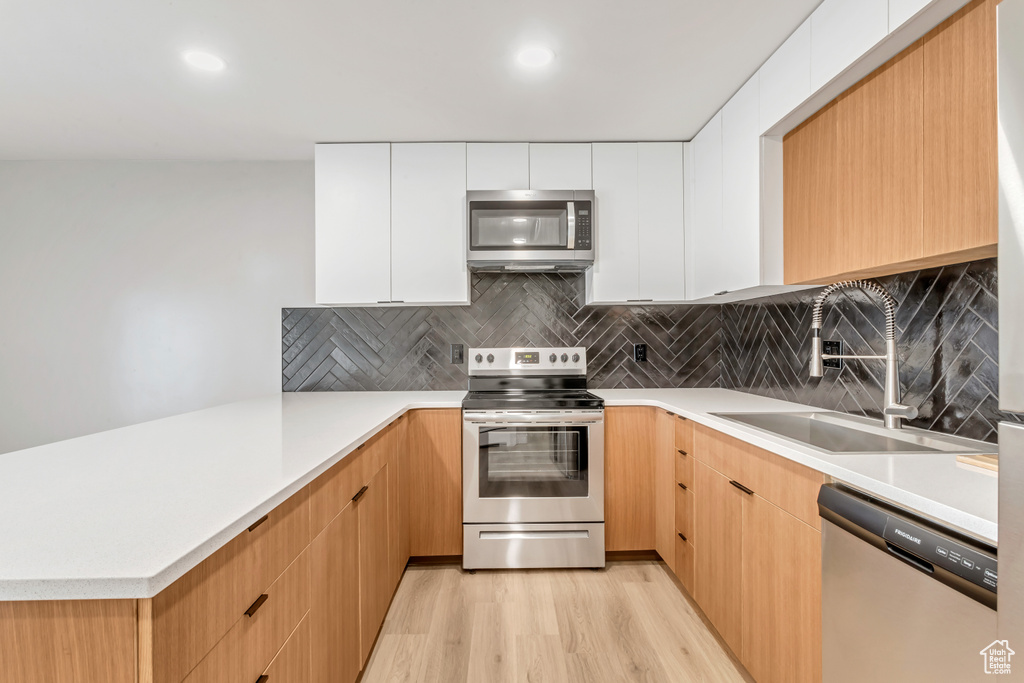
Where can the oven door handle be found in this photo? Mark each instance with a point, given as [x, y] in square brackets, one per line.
[531, 418]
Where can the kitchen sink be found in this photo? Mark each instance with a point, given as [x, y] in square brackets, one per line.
[836, 433]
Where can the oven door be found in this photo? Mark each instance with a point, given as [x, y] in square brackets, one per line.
[533, 467]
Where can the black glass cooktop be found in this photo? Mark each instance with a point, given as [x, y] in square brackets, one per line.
[554, 399]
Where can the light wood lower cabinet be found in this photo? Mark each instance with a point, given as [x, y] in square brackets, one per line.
[629, 478]
[374, 575]
[334, 610]
[664, 496]
[434, 481]
[292, 663]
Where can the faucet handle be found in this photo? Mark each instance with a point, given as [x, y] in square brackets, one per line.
[901, 410]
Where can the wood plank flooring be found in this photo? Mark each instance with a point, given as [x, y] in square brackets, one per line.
[628, 622]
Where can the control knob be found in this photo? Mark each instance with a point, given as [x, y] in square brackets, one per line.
[479, 358]
[490, 358]
[565, 357]
[575, 358]
[552, 358]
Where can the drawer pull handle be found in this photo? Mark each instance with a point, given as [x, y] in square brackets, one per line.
[359, 494]
[258, 522]
[681, 451]
[682, 485]
[681, 536]
[256, 605]
[741, 487]
[263, 679]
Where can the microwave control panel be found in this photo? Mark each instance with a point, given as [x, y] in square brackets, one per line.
[584, 233]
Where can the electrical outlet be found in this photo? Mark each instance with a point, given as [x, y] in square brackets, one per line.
[834, 348]
[458, 354]
[640, 353]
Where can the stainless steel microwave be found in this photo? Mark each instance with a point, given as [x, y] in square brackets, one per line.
[530, 230]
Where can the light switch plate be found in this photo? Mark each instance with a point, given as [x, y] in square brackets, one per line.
[458, 354]
[640, 353]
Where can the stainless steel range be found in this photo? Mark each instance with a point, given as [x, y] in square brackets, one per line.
[532, 461]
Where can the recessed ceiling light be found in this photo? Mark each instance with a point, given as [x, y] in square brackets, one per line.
[535, 56]
[203, 60]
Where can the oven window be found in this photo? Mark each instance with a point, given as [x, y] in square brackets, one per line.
[533, 462]
[533, 228]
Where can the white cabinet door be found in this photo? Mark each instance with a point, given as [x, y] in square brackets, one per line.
[498, 166]
[660, 184]
[428, 198]
[786, 77]
[352, 187]
[740, 264]
[705, 243]
[614, 275]
[560, 166]
[900, 11]
[842, 31]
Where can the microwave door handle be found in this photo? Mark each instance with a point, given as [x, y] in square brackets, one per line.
[571, 217]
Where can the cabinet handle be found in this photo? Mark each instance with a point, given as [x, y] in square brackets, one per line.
[682, 485]
[258, 522]
[681, 451]
[256, 605]
[741, 487]
[263, 679]
[681, 536]
[359, 494]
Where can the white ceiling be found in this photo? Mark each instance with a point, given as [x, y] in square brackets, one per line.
[104, 78]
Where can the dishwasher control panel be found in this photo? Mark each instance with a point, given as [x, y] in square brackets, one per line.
[941, 551]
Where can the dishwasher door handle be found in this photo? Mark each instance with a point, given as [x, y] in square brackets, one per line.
[912, 560]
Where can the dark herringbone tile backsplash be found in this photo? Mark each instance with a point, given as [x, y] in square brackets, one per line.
[946, 321]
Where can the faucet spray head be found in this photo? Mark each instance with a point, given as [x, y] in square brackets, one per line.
[817, 365]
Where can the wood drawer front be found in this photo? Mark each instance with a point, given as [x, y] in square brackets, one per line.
[292, 665]
[784, 483]
[684, 434]
[249, 647]
[334, 489]
[684, 563]
[195, 612]
[684, 469]
[684, 512]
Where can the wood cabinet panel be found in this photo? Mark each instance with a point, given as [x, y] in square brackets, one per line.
[664, 495]
[782, 482]
[684, 512]
[629, 475]
[292, 663]
[718, 547]
[78, 641]
[193, 613]
[961, 118]
[781, 596]
[810, 200]
[683, 448]
[683, 434]
[249, 647]
[334, 609]
[684, 563]
[879, 155]
[332, 491]
[398, 536]
[684, 469]
[434, 467]
[374, 579]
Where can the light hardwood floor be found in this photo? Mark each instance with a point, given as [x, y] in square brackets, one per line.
[626, 623]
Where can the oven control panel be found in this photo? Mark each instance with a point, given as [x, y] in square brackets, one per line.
[535, 361]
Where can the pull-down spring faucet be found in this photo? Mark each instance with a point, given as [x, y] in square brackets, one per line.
[894, 411]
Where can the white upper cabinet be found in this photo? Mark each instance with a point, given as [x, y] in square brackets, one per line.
[352, 190]
[660, 185]
[740, 267]
[786, 77]
[901, 11]
[841, 32]
[498, 166]
[560, 166]
[615, 275]
[707, 249]
[428, 227]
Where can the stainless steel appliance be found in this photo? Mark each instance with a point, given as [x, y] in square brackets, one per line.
[530, 230]
[1011, 321]
[902, 598]
[532, 461]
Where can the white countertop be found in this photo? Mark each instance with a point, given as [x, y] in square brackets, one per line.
[124, 513]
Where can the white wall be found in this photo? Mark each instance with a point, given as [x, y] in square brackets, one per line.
[133, 290]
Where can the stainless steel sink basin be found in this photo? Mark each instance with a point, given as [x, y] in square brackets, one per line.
[837, 433]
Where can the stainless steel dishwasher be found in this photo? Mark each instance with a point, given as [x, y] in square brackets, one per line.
[903, 598]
